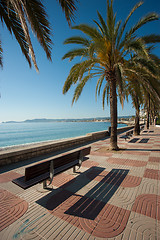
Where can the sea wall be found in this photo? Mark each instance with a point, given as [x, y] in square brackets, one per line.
[24, 152]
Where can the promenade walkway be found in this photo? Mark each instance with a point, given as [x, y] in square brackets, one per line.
[112, 196]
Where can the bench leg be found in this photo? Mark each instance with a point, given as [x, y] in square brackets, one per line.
[44, 184]
[74, 169]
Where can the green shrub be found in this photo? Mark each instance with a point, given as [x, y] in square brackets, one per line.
[158, 121]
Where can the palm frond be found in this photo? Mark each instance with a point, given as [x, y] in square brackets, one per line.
[1, 51]
[152, 38]
[79, 88]
[110, 18]
[13, 24]
[126, 21]
[99, 84]
[148, 18]
[105, 93]
[18, 8]
[148, 65]
[77, 40]
[137, 46]
[38, 20]
[75, 53]
[88, 30]
[120, 77]
[104, 26]
[69, 8]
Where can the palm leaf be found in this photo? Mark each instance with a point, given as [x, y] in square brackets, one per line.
[13, 24]
[74, 53]
[126, 21]
[148, 18]
[88, 30]
[152, 38]
[80, 87]
[38, 20]
[1, 51]
[99, 85]
[77, 40]
[69, 8]
[104, 26]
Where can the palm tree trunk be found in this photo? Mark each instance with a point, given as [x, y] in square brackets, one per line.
[148, 111]
[137, 126]
[113, 111]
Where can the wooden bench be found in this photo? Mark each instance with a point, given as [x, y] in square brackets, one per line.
[127, 135]
[44, 171]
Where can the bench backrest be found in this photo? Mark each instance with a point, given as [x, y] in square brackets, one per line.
[44, 167]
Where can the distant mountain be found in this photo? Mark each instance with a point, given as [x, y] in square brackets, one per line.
[38, 120]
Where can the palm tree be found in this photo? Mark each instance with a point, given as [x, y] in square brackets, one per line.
[17, 15]
[104, 54]
[142, 95]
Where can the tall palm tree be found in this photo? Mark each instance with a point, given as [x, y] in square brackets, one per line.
[105, 53]
[17, 15]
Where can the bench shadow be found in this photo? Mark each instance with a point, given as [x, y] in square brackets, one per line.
[144, 140]
[141, 150]
[91, 204]
[134, 140]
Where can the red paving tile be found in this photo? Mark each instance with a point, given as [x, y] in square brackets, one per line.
[11, 208]
[134, 152]
[95, 172]
[110, 221]
[62, 179]
[146, 204]
[97, 153]
[131, 181]
[9, 176]
[127, 162]
[89, 164]
[152, 174]
[154, 159]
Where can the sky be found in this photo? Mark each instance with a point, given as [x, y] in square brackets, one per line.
[26, 94]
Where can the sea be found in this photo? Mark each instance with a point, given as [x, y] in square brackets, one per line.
[13, 134]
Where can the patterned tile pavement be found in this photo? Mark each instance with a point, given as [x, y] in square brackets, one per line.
[114, 195]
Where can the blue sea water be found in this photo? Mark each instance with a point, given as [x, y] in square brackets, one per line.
[12, 134]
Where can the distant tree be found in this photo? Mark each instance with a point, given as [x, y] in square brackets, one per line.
[141, 87]
[17, 15]
[104, 54]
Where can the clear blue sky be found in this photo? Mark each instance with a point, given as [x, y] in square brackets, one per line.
[26, 94]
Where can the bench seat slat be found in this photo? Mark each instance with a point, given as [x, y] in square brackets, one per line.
[23, 184]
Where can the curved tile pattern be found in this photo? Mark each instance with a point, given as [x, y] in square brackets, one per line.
[11, 208]
[152, 173]
[108, 222]
[146, 204]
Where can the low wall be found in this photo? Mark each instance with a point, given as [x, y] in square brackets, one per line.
[24, 152]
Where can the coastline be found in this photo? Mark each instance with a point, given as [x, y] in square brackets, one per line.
[25, 152]
[13, 135]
